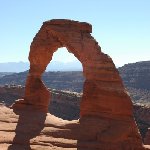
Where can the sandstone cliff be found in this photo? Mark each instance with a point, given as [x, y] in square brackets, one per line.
[136, 78]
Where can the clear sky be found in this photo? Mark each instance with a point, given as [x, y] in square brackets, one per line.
[121, 27]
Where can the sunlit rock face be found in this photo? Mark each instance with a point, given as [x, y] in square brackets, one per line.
[106, 117]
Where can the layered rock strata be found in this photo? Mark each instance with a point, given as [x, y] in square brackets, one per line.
[106, 113]
[26, 130]
[66, 105]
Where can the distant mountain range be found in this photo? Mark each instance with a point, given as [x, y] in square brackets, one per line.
[53, 66]
[14, 66]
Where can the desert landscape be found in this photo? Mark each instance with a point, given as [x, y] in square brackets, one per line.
[75, 75]
[104, 108]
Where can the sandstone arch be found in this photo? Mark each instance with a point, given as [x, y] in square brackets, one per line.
[103, 91]
[106, 109]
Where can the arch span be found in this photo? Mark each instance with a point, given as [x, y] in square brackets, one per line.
[103, 91]
[106, 108]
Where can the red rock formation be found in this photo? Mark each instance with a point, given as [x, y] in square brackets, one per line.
[98, 68]
[106, 109]
[25, 130]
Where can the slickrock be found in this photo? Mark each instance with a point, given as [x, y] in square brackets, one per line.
[25, 130]
[106, 114]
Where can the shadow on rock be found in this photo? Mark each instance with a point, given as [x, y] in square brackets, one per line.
[30, 124]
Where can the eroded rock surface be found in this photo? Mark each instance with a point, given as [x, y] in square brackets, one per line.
[98, 69]
[106, 115]
[25, 130]
[66, 105]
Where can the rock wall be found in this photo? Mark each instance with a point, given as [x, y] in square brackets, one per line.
[8, 94]
[65, 104]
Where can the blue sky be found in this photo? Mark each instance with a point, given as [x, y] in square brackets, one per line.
[122, 28]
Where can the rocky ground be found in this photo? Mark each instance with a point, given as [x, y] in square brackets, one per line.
[66, 105]
[27, 129]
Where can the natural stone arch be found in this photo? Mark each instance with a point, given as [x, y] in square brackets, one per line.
[106, 109]
[103, 91]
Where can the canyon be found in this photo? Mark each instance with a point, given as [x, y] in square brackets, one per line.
[135, 77]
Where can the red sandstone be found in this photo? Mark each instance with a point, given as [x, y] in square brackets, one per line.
[106, 115]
